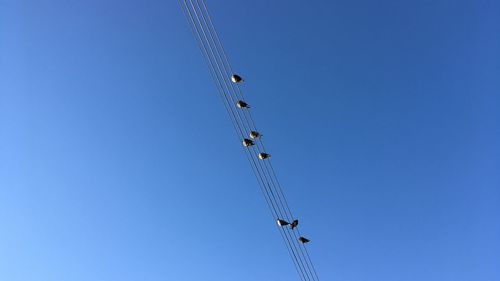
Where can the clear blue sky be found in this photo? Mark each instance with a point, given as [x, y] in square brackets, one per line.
[118, 162]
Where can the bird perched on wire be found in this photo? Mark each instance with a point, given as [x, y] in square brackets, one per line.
[247, 142]
[236, 78]
[263, 156]
[242, 104]
[281, 222]
[303, 240]
[255, 134]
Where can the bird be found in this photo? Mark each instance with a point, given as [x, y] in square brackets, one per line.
[242, 104]
[247, 142]
[236, 78]
[303, 240]
[263, 156]
[254, 134]
[281, 222]
[294, 224]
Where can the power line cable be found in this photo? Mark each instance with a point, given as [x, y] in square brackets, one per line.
[234, 119]
[225, 65]
[219, 82]
[221, 91]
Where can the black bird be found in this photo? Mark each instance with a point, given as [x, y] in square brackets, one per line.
[254, 134]
[294, 224]
[303, 240]
[242, 104]
[247, 142]
[263, 156]
[236, 78]
[282, 222]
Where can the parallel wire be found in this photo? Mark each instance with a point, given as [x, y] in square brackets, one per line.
[234, 120]
[216, 55]
[249, 122]
[227, 62]
[280, 189]
[276, 186]
[243, 126]
[266, 180]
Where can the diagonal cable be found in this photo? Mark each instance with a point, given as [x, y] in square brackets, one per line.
[244, 122]
[221, 90]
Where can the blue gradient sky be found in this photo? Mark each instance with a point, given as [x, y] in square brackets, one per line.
[117, 161]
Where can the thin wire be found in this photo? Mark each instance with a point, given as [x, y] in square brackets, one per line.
[221, 91]
[227, 62]
[208, 57]
[274, 178]
[248, 123]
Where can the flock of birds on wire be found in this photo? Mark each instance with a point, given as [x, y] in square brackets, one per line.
[235, 78]
[228, 86]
